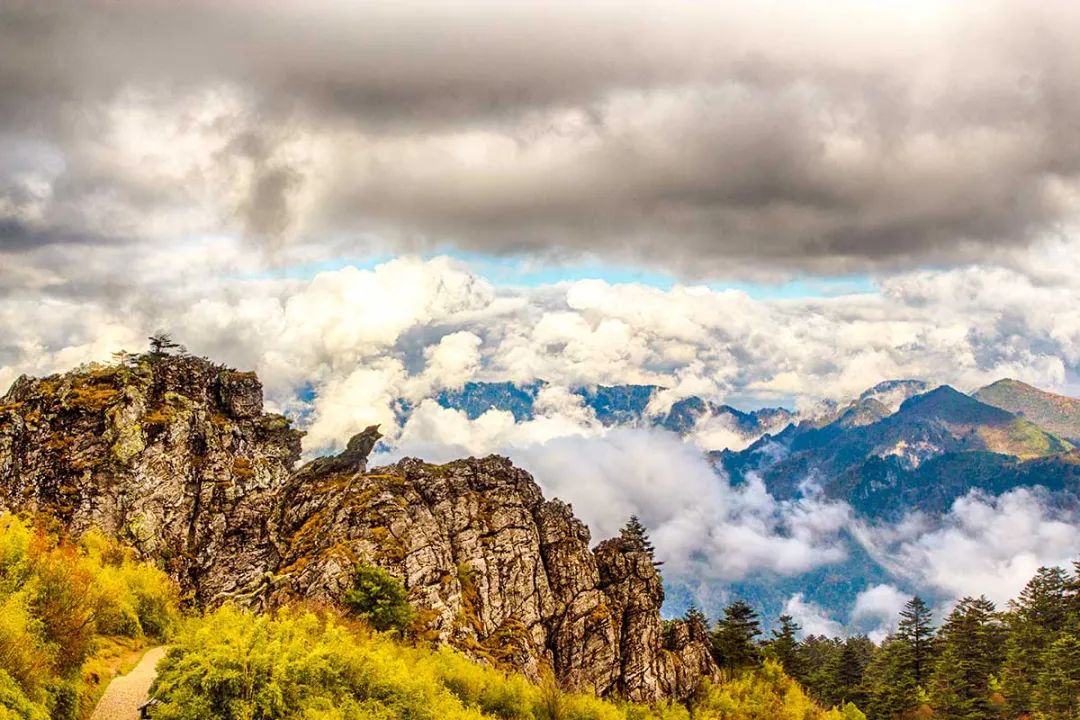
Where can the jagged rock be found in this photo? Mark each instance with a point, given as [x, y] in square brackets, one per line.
[167, 454]
[501, 572]
[175, 455]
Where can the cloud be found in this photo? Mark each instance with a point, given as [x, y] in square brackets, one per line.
[428, 324]
[812, 618]
[879, 608]
[704, 138]
[984, 546]
[702, 526]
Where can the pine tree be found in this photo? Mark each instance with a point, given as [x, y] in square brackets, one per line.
[916, 632]
[818, 658]
[1057, 689]
[695, 618]
[892, 689]
[733, 639]
[635, 537]
[784, 647]
[899, 674]
[161, 343]
[848, 671]
[971, 641]
[1036, 620]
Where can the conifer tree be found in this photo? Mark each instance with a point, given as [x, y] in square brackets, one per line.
[734, 638]
[695, 617]
[161, 343]
[784, 647]
[900, 672]
[1036, 620]
[916, 632]
[1057, 688]
[971, 641]
[848, 670]
[636, 537]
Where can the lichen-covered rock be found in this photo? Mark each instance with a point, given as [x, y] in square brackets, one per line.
[175, 455]
[499, 571]
[170, 453]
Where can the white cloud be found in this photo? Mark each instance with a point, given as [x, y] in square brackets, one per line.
[879, 606]
[984, 546]
[813, 619]
[702, 526]
[445, 325]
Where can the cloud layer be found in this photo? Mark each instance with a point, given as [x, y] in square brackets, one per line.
[705, 138]
[339, 350]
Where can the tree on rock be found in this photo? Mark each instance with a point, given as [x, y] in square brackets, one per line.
[696, 618]
[161, 343]
[636, 537]
[379, 598]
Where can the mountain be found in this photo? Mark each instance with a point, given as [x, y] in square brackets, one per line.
[619, 405]
[864, 445]
[893, 393]
[935, 448]
[1057, 413]
[476, 398]
[176, 456]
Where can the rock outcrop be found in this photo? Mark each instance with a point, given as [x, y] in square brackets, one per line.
[172, 454]
[176, 455]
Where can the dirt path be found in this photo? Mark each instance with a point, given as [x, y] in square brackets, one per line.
[126, 693]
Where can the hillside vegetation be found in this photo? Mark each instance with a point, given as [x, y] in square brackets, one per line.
[1021, 662]
[315, 665]
[74, 612]
[71, 613]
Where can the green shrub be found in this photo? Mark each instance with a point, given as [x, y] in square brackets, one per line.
[380, 599]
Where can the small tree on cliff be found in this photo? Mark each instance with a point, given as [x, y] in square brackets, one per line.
[161, 343]
[379, 598]
[636, 537]
[696, 618]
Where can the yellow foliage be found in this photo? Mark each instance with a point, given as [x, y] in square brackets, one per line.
[60, 601]
[298, 664]
[765, 694]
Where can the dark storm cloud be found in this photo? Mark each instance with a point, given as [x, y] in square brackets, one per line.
[847, 136]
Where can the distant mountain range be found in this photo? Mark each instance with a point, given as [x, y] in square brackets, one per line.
[618, 405]
[900, 446]
[936, 447]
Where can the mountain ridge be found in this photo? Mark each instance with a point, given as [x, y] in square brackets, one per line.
[1058, 413]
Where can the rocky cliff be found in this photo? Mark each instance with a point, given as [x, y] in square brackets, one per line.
[176, 455]
[172, 454]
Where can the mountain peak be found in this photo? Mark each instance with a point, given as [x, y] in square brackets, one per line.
[893, 393]
[1059, 414]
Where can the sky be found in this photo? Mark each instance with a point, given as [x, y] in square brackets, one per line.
[758, 203]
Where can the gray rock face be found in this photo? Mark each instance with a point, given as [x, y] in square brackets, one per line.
[176, 456]
[172, 455]
[499, 571]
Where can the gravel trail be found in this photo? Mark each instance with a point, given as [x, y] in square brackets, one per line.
[126, 693]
